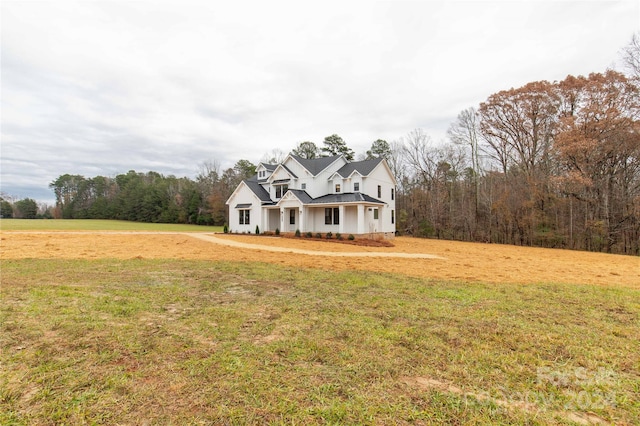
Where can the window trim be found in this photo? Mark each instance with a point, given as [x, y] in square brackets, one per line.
[244, 217]
[281, 190]
[332, 215]
[328, 215]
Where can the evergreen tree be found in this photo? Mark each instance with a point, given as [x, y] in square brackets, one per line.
[335, 145]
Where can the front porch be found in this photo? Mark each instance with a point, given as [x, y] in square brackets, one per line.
[357, 219]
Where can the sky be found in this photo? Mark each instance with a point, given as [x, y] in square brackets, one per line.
[98, 88]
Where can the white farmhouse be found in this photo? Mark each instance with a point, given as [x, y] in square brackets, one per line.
[327, 194]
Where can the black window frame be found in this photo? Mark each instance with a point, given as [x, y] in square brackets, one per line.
[292, 217]
[244, 217]
[332, 216]
[281, 190]
[328, 215]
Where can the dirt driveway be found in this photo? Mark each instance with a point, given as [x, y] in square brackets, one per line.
[437, 259]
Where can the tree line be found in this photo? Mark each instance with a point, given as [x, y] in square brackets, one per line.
[153, 197]
[553, 164]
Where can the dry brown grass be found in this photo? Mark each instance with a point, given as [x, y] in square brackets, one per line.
[164, 328]
[474, 262]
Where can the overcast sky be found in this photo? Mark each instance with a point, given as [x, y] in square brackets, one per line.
[103, 87]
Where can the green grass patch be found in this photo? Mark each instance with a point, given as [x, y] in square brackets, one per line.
[98, 225]
[184, 342]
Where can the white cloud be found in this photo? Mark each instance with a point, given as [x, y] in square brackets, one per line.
[103, 87]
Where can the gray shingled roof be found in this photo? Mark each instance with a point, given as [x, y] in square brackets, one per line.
[349, 197]
[257, 189]
[269, 167]
[363, 167]
[302, 196]
[315, 165]
[289, 171]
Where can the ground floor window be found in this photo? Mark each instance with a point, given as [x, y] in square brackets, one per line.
[375, 213]
[244, 217]
[332, 216]
[393, 216]
[292, 217]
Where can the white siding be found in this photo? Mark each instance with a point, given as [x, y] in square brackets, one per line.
[380, 176]
[312, 218]
[244, 195]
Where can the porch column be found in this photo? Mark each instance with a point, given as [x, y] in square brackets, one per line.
[342, 219]
[301, 213]
[282, 225]
[361, 211]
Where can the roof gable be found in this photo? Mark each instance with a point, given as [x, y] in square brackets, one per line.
[276, 175]
[362, 167]
[266, 166]
[257, 189]
[316, 165]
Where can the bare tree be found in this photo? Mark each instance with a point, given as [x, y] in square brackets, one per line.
[631, 57]
[275, 156]
[465, 131]
[419, 154]
[518, 125]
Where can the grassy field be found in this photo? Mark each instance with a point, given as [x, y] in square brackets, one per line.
[98, 225]
[163, 341]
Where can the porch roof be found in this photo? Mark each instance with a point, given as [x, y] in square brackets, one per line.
[349, 197]
[344, 198]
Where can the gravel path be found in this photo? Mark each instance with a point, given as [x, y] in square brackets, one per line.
[213, 239]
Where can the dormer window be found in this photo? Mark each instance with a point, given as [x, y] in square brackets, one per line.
[281, 190]
[356, 187]
[337, 188]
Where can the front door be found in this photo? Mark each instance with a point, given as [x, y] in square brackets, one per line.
[293, 219]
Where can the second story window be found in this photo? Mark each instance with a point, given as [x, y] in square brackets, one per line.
[393, 193]
[337, 188]
[356, 187]
[379, 191]
[281, 190]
